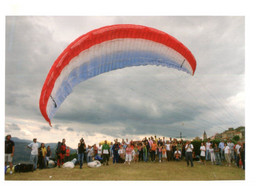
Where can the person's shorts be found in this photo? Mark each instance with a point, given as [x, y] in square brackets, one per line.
[8, 158]
[202, 157]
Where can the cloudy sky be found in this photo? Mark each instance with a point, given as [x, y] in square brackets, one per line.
[131, 102]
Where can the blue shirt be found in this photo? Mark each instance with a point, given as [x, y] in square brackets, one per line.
[221, 145]
[115, 148]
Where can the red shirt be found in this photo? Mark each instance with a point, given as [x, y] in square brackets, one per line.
[164, 151]
[68, 152]
[63, 148]
[128, 150]
[153, 147]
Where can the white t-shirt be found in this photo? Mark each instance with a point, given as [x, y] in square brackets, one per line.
[202, 150]
[121, 151]
[189, 147]
[237, 148]
[168, 147]
[231, 146]
[211, 150]
[34, 147]
[208, 145]
[90, 151]
[178, 152]
[99, 149]
[226, 149]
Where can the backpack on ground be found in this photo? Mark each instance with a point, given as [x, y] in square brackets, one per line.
[23, 168]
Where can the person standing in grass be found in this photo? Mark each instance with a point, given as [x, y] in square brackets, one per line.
[123, 146]
[237, 150]
[227, 154]
[135, 153]
[34, 153]
[189, 149]
[208, 144]
[168, 149]
[231, 147]
[160, 152]
[217, 156]
[202, 153]
[242, 155]
[42, 156]
[164, 154]
[212, 155]
[140, 152]
[61, 154]
[153, 148]
[111, 151]
[144, 152]
[221, 148]
[48, 155]
[128, 152]
[121, 151]
[81, 150]
[9, 152]
[115, 149]
[148, 148]
[105, 152]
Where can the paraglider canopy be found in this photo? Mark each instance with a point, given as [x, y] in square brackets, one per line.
[106, 49]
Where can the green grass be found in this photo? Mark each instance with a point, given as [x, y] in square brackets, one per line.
[177, 171]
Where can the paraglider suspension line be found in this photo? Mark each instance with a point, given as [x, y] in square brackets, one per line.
[182, 63]
[55, 105]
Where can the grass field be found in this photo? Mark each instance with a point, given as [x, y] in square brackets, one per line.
[177, 171]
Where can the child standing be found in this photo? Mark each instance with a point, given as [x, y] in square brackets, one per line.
[202, 153]
[153, 149]
[160, 153]
[128, 152]
[164, 155]
[135, 153]
[212, 155]
[140, 152]
[121, 152]
[145, 153]
[227, 154]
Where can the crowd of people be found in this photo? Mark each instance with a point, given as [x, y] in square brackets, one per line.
[40, 155]
[228, 152]
[151, 149]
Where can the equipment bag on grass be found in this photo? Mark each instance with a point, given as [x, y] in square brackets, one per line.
[23, 168]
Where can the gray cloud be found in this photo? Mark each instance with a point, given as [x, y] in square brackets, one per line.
[45, 128]
[12, 127]
[70, 129]
[141, 100]
[56, 126]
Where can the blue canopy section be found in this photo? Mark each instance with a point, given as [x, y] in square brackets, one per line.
[106, 63]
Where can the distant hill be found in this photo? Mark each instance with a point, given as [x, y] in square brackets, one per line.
[22, 153]
[16, 140]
